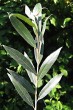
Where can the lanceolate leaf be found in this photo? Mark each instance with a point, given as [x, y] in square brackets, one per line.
[21, 90]
[25, 19]
[31, 75]
[22, 30]
[29, 13]
[49, 86]
[49, 61]
[44, 25]
[22, 81]
[37, 10]
[20, 58]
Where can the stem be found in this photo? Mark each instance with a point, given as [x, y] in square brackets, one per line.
[36, 90]
[35, 99]
[38, 49]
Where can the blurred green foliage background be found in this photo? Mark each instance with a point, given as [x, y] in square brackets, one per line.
[59, 33]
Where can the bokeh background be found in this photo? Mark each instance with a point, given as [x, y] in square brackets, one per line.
[59, 32]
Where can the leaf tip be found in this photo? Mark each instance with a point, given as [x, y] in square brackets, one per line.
[8, 75]
[4, 46]
[7, 69]
[60, 48]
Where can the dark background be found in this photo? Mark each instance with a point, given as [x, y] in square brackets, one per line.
[59, 33]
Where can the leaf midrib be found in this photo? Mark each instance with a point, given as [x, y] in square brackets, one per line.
[24, 90]
[22, 30]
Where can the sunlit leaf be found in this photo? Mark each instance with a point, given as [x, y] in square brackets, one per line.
[24, 18]
[37, 11]
[29, 13]
[40, 83]
[66, 21]
[20, 58]
[21, 90]
[49, 86]
[22, 81]
[47, 64]
[22, 30]
[44, 25]
[31, 75]
[64, 71]
[53, 21]
[56, 1]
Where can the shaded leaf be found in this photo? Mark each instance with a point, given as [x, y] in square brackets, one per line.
[20, 58]
[46, 65]
[22, 30]
[49, 86]
[21, 91]
[22, 81]
[31, 75]
[24, 18]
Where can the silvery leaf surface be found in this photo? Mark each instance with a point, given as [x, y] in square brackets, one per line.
[21, 91]
[22, 81]
[22, 30]
[49, 86]
[47, 64]
[31, 75]
[20, 58]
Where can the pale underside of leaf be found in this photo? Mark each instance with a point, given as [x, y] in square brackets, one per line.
[20, 58]
[49, 86]
[29, 13]
[37, 10]
[38, 52]
[44, 25]
[22, 81]
[31, 75]
[22, 30]
[21, 91]
[47, 64]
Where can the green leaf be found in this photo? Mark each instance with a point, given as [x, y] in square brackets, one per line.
[31, 75]
[49, 86]
[22, 81]
[20, 58]
[40, 83]
[66, 21]
[22, 30]
[25, 19]
[47, 64]
[64, 71]
[21, 90]
[56, 1]
[53, 21]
